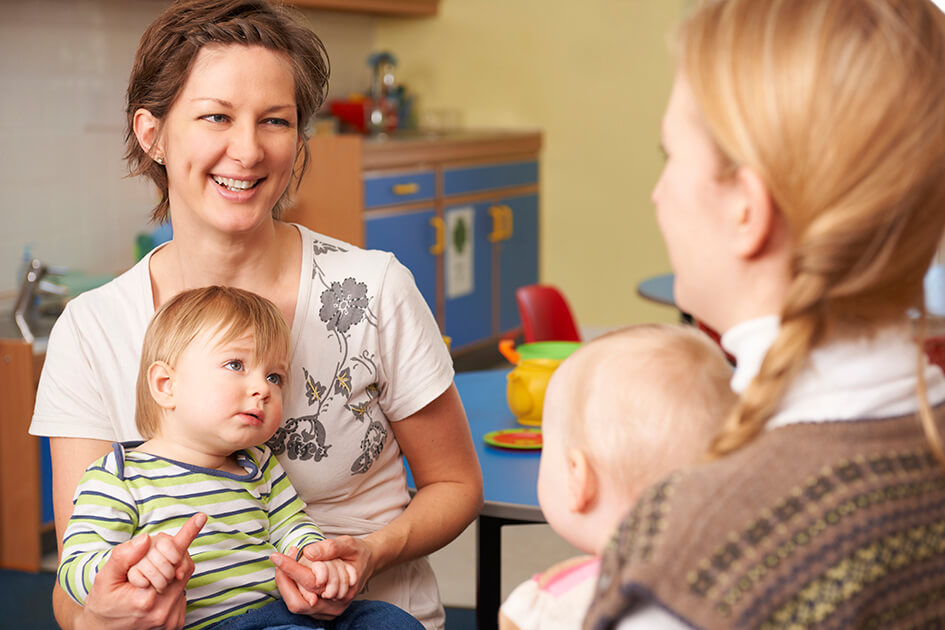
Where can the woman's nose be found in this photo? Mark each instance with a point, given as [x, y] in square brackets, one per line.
[245, 146]
[655, 193]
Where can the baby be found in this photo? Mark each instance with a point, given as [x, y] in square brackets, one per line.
[620, 413]
[213, 368]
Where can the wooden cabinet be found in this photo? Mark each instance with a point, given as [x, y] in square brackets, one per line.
[459, 210]
[377, 7]
[21, 509]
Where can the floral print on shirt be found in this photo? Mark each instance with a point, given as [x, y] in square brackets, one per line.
[344, 306]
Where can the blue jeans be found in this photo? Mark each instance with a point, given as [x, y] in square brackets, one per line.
[361, 614]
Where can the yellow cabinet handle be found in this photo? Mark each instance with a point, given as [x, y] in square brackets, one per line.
[496, 235]
[509, 223]
[411, 188]
[439, 228]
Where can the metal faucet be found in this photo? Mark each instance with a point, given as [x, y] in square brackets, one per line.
[34, 284]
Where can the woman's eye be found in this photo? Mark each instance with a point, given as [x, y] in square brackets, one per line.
[235, 365]
[277, 122]
[275, 379]
[215, 118]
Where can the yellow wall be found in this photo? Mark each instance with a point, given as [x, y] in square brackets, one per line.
[594, 75]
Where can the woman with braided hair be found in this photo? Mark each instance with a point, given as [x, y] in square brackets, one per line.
[219, 98]
[802, 200]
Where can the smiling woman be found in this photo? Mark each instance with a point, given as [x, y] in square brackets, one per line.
[219, 97]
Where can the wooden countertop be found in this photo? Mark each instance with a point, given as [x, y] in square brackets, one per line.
[410, 148]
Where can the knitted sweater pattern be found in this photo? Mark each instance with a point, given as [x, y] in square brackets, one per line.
[813, 525]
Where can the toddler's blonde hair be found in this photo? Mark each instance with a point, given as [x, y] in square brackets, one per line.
[643, 400]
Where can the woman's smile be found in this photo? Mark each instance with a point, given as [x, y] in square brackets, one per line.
[235, 185]
[236, 190]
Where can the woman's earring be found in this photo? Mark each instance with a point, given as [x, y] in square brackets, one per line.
[159, 160]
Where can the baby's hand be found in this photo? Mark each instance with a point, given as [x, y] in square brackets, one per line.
[333, 578]
[159, 566]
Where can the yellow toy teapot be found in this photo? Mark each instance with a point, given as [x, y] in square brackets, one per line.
[535, 363]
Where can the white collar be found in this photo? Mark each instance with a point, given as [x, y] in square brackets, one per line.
[866, 377]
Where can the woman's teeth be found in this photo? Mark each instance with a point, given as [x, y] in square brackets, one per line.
[235, 185]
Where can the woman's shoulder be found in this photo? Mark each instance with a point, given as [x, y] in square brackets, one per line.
[319, 244]
[337, 258]
[338, 267]
[128, 292]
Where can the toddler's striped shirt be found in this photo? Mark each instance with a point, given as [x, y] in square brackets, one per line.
[249, 516]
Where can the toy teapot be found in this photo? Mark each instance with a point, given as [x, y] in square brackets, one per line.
[535, 363]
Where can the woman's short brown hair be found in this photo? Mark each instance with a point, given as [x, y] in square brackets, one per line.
[169, 46]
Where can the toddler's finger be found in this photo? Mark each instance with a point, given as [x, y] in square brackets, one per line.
[333, 583]
[162, 564]
[320, 573]
[136, 578]
[154, 576]
[352, 573]
[341, 588]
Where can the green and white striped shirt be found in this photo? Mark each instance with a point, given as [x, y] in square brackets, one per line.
[249, 516]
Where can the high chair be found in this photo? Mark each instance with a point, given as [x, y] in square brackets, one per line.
[545, 313]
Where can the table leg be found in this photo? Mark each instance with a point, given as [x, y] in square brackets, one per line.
[488, 571]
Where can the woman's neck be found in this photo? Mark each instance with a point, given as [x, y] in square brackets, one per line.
[265, 261]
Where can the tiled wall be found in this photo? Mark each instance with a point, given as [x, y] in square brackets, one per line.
[64, 67]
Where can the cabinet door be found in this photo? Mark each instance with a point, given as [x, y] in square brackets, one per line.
[467, 274]
[388, 189]
[518, 256]
[409, 236]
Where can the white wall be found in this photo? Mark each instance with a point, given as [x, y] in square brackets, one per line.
[64, 67]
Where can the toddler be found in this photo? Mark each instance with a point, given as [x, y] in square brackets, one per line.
[620, 413]
[210, 387]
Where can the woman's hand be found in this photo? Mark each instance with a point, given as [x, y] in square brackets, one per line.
[163, 562]
[299, 585]
[113, 602]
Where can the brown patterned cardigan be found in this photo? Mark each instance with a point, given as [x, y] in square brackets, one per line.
[815, 525]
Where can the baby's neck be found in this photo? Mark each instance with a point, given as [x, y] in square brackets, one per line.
[184, 454]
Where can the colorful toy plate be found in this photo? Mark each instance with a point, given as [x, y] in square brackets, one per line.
[518, 439]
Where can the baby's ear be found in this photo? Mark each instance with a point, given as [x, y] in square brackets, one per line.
[582, 482]
[161, 384]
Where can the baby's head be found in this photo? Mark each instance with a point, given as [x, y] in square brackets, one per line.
[216, 318]
[621, 413]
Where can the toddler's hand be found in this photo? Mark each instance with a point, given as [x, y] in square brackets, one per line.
[160, 565]
[333, 578]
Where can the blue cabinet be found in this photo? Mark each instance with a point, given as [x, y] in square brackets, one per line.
[412, 237]
[467, 275]
[500, 250]
[518, 256]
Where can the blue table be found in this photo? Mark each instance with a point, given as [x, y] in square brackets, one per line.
[509, 480]
[658, 289]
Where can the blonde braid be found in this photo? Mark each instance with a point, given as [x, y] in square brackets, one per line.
[932, 434]
[803, 322]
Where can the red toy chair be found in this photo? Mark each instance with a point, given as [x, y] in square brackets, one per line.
[545, 314]
[935, 349]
